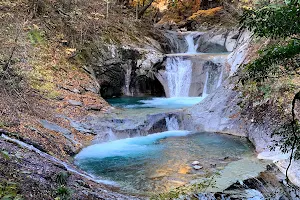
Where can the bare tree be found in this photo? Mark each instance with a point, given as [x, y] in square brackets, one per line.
[144, 8]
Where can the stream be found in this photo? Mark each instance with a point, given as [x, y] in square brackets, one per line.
[159, 162]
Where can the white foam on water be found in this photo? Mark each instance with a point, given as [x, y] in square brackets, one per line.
[127, 147]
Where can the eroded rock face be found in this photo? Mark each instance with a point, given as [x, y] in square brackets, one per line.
[127, 125]
[127, 70]
[218, 112]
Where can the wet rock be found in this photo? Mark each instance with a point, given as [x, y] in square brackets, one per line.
[127, 124]
[80, 127]
[95, 107]
[213, 165]
[197, 167]
[75, 103]
[224, 102]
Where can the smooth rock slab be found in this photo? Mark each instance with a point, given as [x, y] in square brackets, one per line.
[54, 127]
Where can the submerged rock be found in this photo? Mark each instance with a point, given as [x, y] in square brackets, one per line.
[197, 167]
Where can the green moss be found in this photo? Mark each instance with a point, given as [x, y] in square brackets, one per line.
[41, 79]
[9, 191]
[63, 193]
[62, 178]
[2, 124]
[36, 36]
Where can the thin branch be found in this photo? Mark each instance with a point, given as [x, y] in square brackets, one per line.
[294, 122]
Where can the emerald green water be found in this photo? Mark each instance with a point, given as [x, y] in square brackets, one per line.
[127, 102]
[154, 102]
[159, 162]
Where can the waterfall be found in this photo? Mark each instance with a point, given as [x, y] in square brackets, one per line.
[192, 47]
[204, 93]
[183, 68]
[110, 135]
[179, 75]
[172, 123]
[127, 81]
[179, 71]
[220, 78]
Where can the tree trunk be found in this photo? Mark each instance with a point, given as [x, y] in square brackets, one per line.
[143, 10]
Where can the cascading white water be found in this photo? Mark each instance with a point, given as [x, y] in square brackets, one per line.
[179, 71]
[179, 75]
[220, 78]
[204, 93]
[172, 123]
[110, 135]
[192, 47]
[127, 81]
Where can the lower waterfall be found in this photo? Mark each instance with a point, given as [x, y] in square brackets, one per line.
[172, 123]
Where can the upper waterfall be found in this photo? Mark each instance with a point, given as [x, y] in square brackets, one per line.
[189, 72]
[179, 70]
[192, 46]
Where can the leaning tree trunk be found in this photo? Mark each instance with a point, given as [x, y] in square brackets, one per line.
[143, 10]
